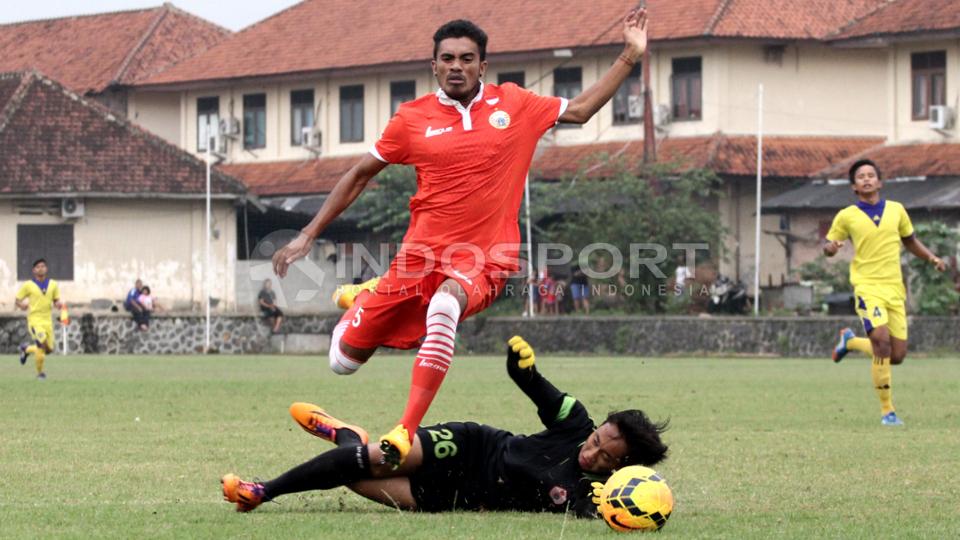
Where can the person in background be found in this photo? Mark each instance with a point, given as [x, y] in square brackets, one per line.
[682, 275]
[130, 303]
[38, 297]
[149, 304]
[267, 300]
[580, 289]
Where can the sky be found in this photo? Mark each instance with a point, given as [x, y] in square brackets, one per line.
[232, 14]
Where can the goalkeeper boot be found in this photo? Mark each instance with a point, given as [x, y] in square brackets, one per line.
[246, 495]
[346, 295]
[23, 354]
[841, 348]
[891, 419]
[317, 422]
[395, 446]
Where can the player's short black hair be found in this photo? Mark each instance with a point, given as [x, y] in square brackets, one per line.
[38, 261]
[461, 28]
[861, 163]
[642, 436]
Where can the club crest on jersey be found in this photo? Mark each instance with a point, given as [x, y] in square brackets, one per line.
[558, 495]
[500, 120]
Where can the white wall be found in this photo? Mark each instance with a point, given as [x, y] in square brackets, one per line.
[158, 112]
[119, 240]
[905, 128]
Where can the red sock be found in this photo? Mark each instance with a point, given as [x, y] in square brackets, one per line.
[433, 359]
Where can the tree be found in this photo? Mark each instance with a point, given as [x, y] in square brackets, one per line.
[935, 292]
[385, 207]
[653, 205]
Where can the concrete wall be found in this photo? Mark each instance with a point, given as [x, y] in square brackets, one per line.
[158, 111]
[904, 128]
[120, 240]
[793, 336]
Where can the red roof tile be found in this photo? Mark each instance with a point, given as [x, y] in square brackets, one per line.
[906, 16]
[906, 160]
[789, 19]
[52, 141]
[291, 177]
[784, 157]
[89, 53]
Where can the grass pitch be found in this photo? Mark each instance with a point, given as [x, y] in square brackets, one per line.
[133, 447]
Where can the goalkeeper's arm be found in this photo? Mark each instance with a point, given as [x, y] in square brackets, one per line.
[520, 366]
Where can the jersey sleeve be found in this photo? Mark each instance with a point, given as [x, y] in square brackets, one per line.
[394, 143]
[906, 226]
[543, 111]
[23, 292]
[838, 230]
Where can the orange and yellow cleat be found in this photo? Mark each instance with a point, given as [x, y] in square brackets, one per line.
[345, 295]
[395, 445]
[246, 495]
[317, 422]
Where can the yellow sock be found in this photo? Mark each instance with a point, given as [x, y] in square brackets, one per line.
[882, 377]
[861, 344]
[39, 357]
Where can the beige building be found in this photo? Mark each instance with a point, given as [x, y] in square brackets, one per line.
[106, 203]
[836, 83]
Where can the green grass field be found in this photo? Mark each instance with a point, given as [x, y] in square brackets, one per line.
[133, 447]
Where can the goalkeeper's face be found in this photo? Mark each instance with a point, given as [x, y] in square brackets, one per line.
[603, 450]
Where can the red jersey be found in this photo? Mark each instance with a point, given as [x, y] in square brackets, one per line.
[471, 165]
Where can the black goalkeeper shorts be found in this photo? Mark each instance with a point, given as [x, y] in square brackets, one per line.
[458, 469]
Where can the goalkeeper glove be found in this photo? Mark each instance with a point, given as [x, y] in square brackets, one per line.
[597, 494]
[520, 353]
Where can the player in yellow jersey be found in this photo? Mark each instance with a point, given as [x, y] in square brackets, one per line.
[877, 227]
[38, 297]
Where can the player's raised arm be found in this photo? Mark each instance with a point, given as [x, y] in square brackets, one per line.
[520, 365]
[584, 106]
[346, 191]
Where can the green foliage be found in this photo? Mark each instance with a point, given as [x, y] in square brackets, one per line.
[653, 205]
[743, 462]
[936, 291]
[385, 207]
[833, 274]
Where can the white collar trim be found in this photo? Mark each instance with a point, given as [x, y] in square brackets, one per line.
[464, 111]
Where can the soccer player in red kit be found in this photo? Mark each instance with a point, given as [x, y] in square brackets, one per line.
[471, 144]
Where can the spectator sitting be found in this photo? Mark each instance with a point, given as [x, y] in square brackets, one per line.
[148, 304]
[131, 304]
[268, 306]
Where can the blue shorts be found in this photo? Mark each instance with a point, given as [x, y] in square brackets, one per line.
[580, 291]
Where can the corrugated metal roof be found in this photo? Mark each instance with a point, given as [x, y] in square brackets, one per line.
[927, 194]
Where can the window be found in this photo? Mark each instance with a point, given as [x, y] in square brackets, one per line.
[400, 92]
[51, 242]
[516, 77]
[929, 81]
[301, 114]
[567, 83]
[208, 120]
[254, 121]
[686, 89]
[351, 113]
[628, 101]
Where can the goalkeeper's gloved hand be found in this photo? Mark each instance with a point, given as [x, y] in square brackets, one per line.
[597, 494]
[520, 353]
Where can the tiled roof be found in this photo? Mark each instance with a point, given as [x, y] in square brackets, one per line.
[905, 161]
[904, 17]
[789, 19]
[91, 52]
[732, 155]
[786, 157]
[320, 35]
[53, 141]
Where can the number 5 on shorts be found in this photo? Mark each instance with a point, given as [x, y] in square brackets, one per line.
[443, 446]
[356, 318]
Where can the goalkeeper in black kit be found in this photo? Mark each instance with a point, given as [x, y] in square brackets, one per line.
[470, 466]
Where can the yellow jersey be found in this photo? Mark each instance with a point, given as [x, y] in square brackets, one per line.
[877, 231]
[41, 296]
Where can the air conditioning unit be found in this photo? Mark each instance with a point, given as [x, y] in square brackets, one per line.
[310, 137]
[941, 117]
[71, 208]
[229, 126]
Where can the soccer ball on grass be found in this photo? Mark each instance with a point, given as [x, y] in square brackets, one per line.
[635, 498]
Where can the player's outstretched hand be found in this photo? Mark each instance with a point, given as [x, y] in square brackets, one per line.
[520, 353]
[597, 494]
[635, 31]
[288, 254]
[938, 263]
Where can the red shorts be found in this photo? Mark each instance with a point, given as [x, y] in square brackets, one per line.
[395, 315]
